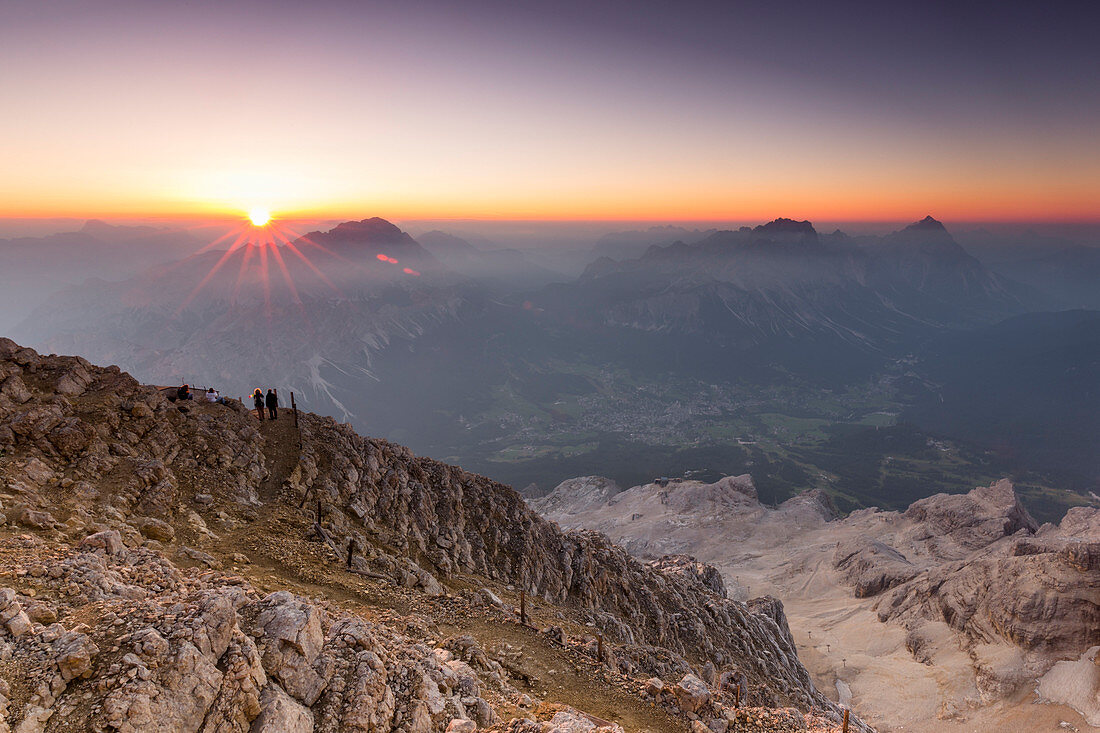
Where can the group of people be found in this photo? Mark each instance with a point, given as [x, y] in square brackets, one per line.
[184, 393]
[271, 402]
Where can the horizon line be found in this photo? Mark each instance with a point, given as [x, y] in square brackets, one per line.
[672, 220]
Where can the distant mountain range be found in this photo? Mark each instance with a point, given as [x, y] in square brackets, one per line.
[33, 268]
[1071, 275]
[780, 292]
[492, 360]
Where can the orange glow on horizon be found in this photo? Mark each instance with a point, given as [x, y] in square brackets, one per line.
[682, 205]
[335, 128]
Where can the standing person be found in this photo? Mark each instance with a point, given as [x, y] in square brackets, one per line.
[353, 546]
[273, 404]
[258, 401]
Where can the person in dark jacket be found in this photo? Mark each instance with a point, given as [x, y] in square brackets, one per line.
[258, 401]
[273, 404]
[183, 392]
[353, 547]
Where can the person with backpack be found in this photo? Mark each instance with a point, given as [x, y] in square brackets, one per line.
[258, 401]
[273, 404]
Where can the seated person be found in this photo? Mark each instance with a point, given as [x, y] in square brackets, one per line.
[184, 393]
[213, 396]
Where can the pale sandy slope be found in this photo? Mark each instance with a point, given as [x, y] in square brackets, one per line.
[787, 552]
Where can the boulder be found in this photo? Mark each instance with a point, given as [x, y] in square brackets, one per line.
[74, 653]
[14, 389]
[691, 694]
[459, 725]
[156, 529]
[108, 541]
[290, 640]
[33, 518]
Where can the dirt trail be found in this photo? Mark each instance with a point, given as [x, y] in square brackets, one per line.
[280, 454]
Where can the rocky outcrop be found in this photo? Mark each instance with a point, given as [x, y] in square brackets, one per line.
[981, 564]
[451, 522]
[971, 571]
[870, 566]
[207, 653]
[1037, 589]
[685, 566]
[124, 500]
[577, 495]
[952, 526]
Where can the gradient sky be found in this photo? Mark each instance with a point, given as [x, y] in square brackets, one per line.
[602, 110]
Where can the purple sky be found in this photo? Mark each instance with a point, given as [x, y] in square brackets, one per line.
[559, 110]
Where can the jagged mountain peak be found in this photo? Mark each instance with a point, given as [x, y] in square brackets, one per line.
[370, 237]
[927, 224]
[375, 228]
[783, 225]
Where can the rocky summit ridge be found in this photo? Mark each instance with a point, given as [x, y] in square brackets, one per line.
[183, 567]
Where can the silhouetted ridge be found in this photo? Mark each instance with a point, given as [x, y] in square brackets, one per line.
[927, 224]
[374, 236]
[786, 226]
[373, 228]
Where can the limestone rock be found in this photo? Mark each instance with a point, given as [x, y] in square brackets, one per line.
[688, 567]
[459, 725]
[157, 529]
[290, 640]
[280, 713]
[871, 566]
[74, 653]
[109, 541]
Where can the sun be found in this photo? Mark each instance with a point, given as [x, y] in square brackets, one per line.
[259, 217]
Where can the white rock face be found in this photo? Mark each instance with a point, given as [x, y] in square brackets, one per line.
[290, 641]
[1077, 684]
[576, 495]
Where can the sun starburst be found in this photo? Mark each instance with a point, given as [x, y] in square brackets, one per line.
[257, 242]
